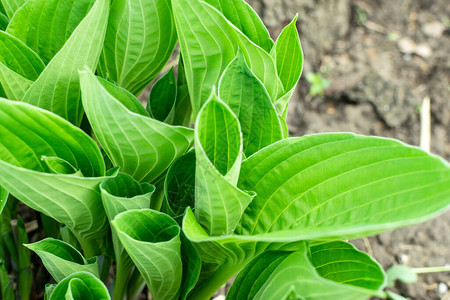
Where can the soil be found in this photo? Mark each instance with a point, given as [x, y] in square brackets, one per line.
[382, 58]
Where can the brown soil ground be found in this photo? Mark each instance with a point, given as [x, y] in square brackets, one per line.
[382, 59]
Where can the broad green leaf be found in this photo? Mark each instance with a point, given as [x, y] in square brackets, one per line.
[306, 187]
[80, 286]
[163, 96]
[57, 88]
[18, 57]
[400, 272]
[219, 204]
[152, 239]
[253, 277]
[61, 259]
[281, 275]
[49, 287]
[247, 97]
[246, 20]
[140, 38]
[209, 42]
[120, 194]
[45, 25]
[11, 6]
[125, 97]
[14, 85]
[28, 133]
[141, 146]
[179, 185]
[289, 59]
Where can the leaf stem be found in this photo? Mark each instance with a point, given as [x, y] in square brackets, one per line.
[425, 270]
[208, 287]
[123, 270]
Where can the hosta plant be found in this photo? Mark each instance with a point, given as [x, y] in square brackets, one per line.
[201, 184]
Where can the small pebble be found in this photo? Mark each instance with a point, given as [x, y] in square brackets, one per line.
[442, 288]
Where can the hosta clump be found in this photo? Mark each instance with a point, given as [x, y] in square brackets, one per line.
[139, 193]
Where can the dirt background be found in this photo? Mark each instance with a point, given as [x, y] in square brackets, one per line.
[382, 58]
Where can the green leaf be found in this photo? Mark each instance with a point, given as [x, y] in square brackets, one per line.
[152, 239]
[58, 165]
[179, 185]
[242, 15]
[400, 272]
[45, 25]
[163, 96]
[11, 6]
[6, 283]
[18, 57]
[3, 21]
[28, 134]
[219, 204]
[57, 88]
[280, 275]
[141, 146]
[25, 275]
[253, 277]
[209, 42]
[61, 259]
[80, 286]
[123, 193]
[140, 38]
[14, 85]
[125, 97]
[3, 199]
[183, 108]
[394, 296]
[341, 262]
[306, 187]
[289, 60]
[247, 97]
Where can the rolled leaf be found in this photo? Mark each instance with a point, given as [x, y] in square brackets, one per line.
[80, 286]
[288, 54]
[120, 194]
[247, 97]
[140, 38]
[219, 204]
[57, 89]
[242, 15]
[70, 199]
[61, 259]
[141, 146]
[152, 239]
[209, 42]
[163, 97]
[179, 185]
[24, 272]
[282, 275]
[183, 108]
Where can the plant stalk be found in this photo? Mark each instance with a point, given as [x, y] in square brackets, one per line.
[432, 269]
[123, 270]
[207, 288]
